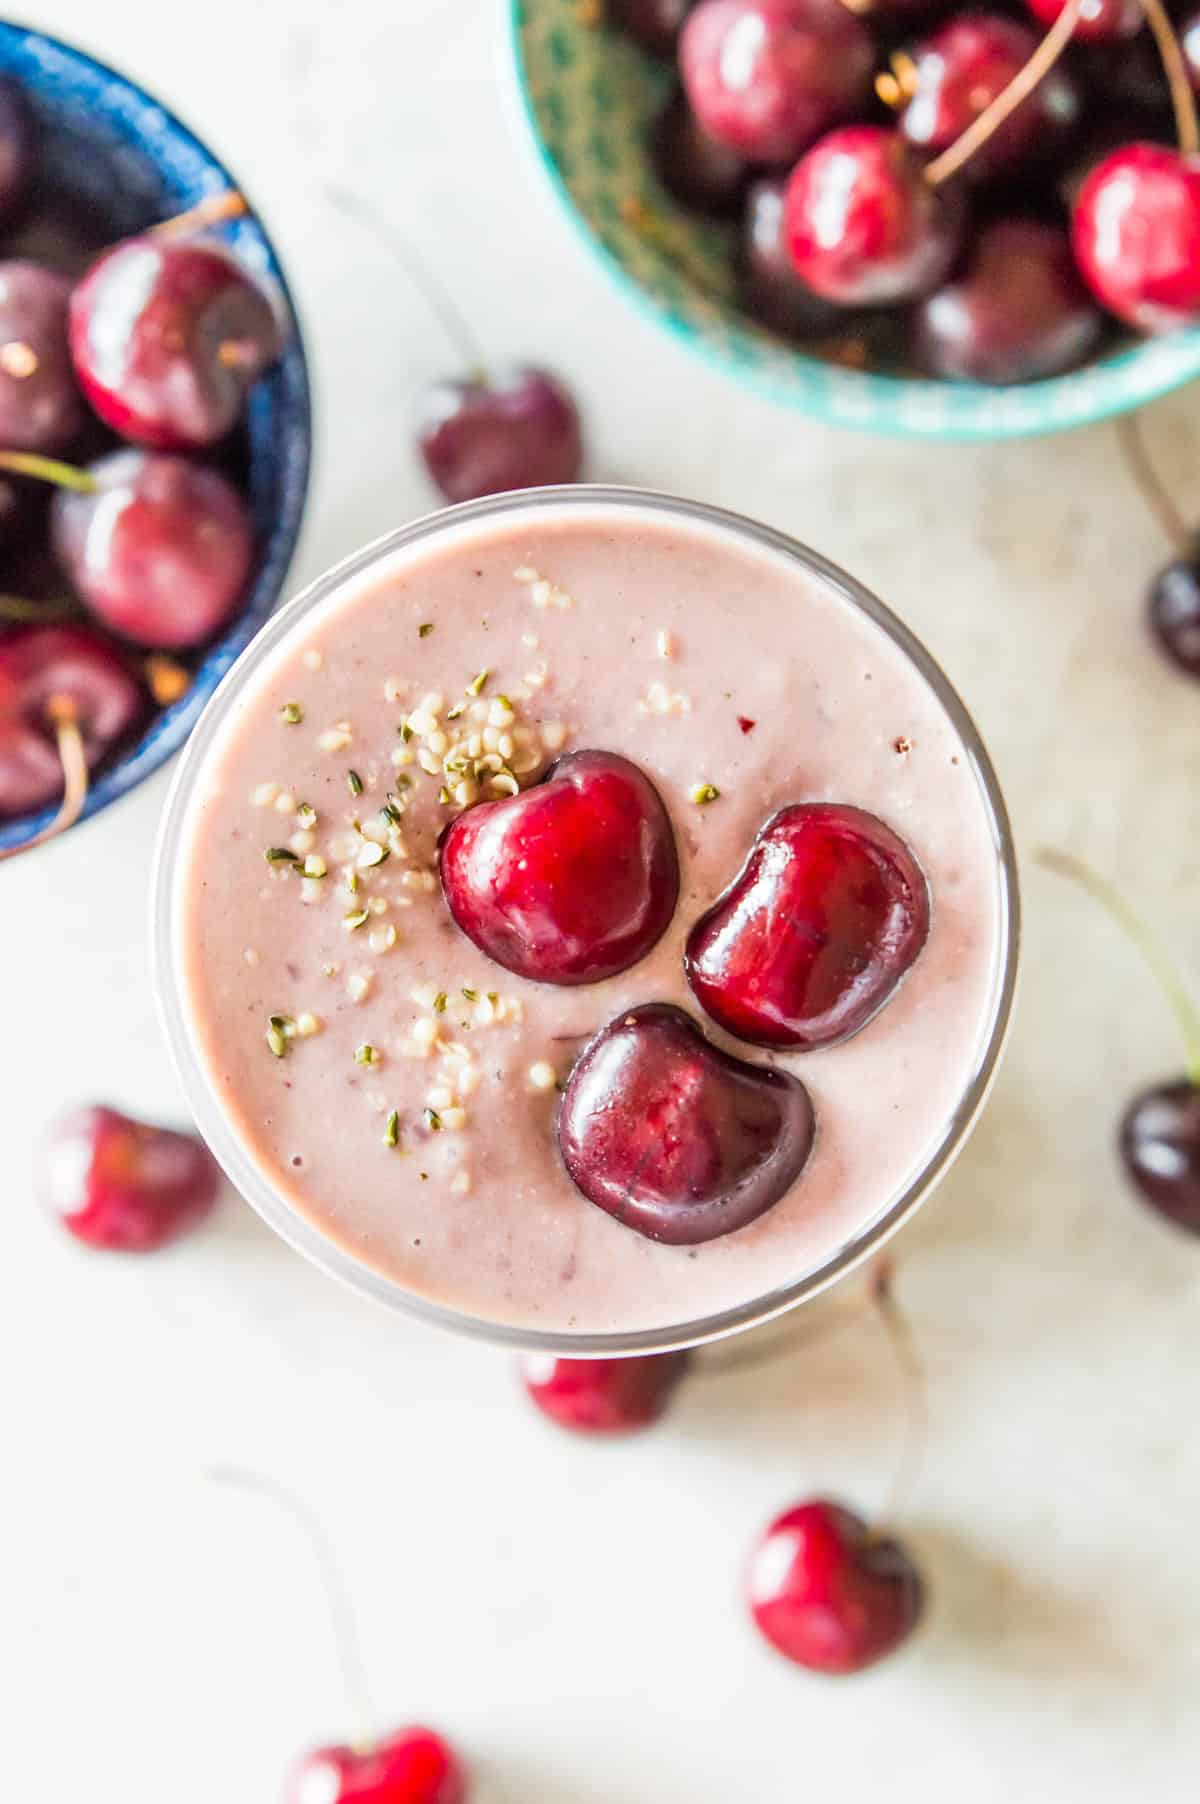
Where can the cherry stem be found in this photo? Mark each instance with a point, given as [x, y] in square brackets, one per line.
[1147, 943]
[214, 209]
[1182, 99]
[911, 1371]
[63, 716]
[1009, 99]
[435, 294]
[1150, 484]
[49, 469]
[341, 1614]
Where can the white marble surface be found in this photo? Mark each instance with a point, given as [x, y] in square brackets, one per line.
[571, 1613]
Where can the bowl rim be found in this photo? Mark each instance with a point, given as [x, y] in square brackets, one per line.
[893, 406]
[169, 729]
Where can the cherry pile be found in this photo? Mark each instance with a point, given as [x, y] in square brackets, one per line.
[124, 374]
[1001, 183]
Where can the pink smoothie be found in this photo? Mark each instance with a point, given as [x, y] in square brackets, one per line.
[404, 1101]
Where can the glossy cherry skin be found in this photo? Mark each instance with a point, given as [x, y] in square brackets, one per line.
[811, 938]
[1100, 20]
[1019, 312]
[766, 77]
[519, 429]
[700, 173]
[827, 1593]
[1136, 235]
[569, 882]
[40, 407]
[414, 1766]
[38, 665]
[124, 1185]
[17, 140]
[168, 336]
[771, 291]
[655, 24]
[604, 1396]
[1160, 1148]
[1174, 613]
[674, 1137]
[160, 551]
[960, 70]
[863, 226]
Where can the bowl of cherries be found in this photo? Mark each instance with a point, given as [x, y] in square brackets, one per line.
[154, 433]
[949, 219]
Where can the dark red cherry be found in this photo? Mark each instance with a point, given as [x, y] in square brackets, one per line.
[168, 336]
[160, 551]
[569, 882]
[1136, 235]
[519, 429]
[863, 226]
[125, 1185]
[58, 231]
[771, 291]
[17, 140]
[1174, 613]
[1160, 1148]
[1099, 21]
[38, 666]
[674, 1137]
[414, 1766]
[766, 77]
[40, 408]
[828, 1593]
[655, 24]
[815, 932]
[603, 1396]
[701, 174]
[1019, 311]
[958, 71]
[1124, 76]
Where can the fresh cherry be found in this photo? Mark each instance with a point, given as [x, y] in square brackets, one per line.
[701, 174]
[40, 667]
[958, 71]
[518, 430]
[124, 1185]
[771, 291]
[655, 24]
[1160, 1148]
[159, 548]
[1174, 613]
[413, 1766]
[167, 338]
[40, 408]
[766, 77]
[828, 1593]
[676, 1138]
[863, 226]
[1124, 77]
[1019, 311]
[1099, 20]
[604, 1396]
[57, 230]
[17, 135]
[815, 932]
[1136, 235]
[569, 882]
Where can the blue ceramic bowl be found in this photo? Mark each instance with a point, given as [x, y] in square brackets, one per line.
[107, 145]
[588, 95]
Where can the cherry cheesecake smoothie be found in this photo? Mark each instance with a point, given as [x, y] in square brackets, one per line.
[588, 917]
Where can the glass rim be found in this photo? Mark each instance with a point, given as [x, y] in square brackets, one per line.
[297, 1229]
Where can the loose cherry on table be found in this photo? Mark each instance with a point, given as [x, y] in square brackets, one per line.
[766, 77]
[123, 1185]
[771, 291]
[17, 138]
[674, 1137]
[1018, 312]
[829, 1593]
[40, 409]
[570, 881]
[516, 429]
[828, 913]
[67, 699]
[1173, 599]
[1136, 235]
[604, 1396]
[412, 1766]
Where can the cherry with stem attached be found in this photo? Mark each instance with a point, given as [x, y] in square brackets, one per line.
[413, 1765]
[1173, 599]
[1159, 1135]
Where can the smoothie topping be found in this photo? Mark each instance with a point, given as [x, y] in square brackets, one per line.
[542, 592]
[336, 738]
[658, 699]
[704, 793]
[291, 714]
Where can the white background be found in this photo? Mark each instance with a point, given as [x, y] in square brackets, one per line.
[569, 1612]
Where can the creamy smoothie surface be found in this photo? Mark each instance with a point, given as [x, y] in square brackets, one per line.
[398, 1088]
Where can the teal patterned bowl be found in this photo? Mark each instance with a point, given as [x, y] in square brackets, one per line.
[588, 95]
